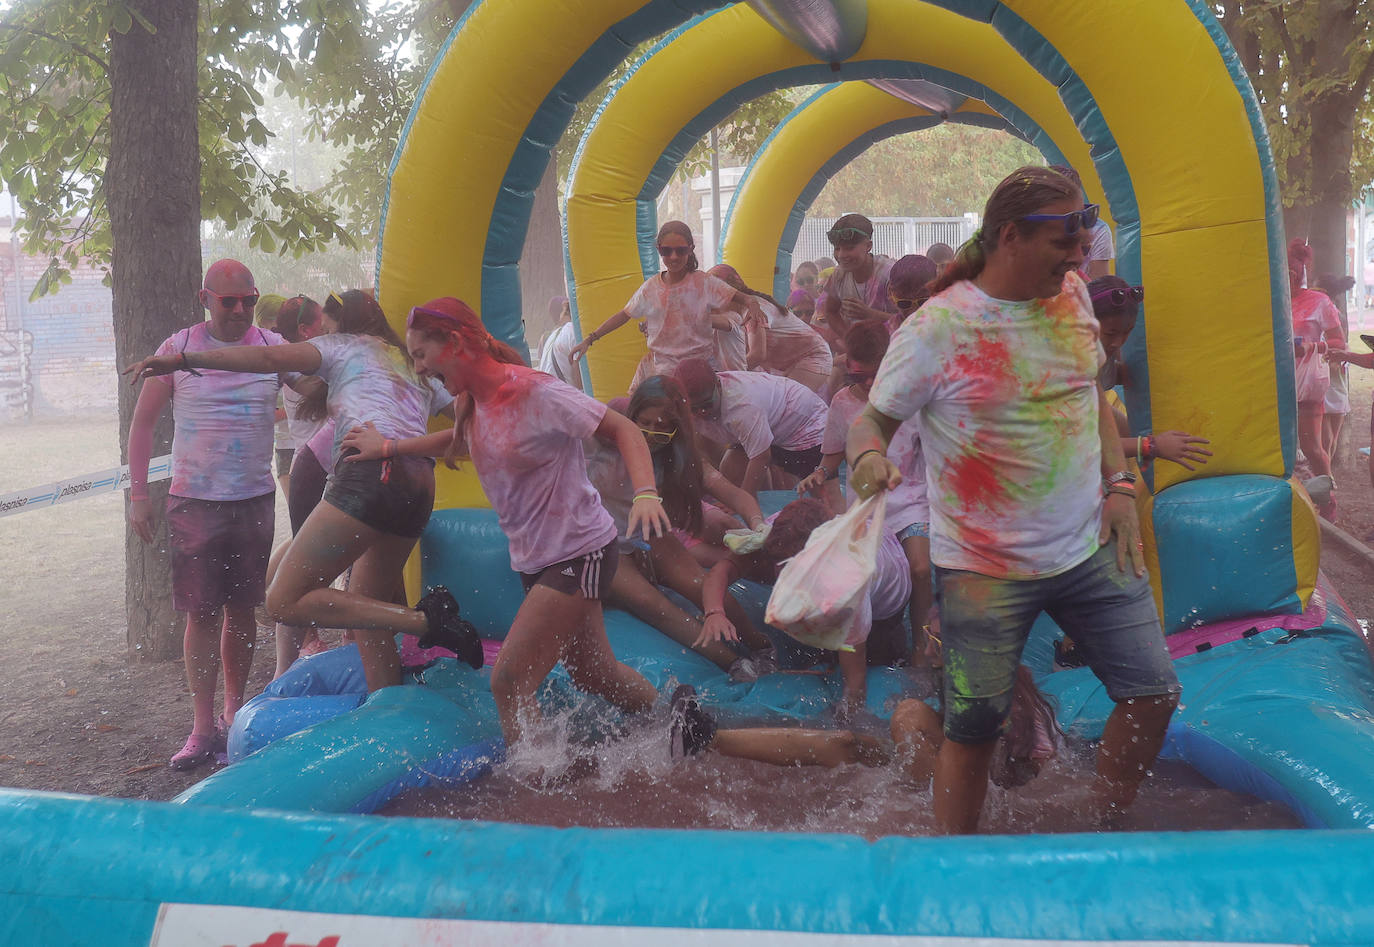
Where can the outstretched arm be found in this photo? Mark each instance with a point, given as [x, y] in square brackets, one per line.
[610, 325]
[266, 359]
[716, 627]
[735, 499]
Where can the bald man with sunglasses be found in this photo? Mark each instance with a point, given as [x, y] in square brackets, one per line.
[220, 509]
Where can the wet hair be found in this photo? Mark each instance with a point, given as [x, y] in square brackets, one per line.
[1102, 307]
[296, 312]
[911, 277]
[467, 326]
[677, 465]
[940, 253]
[1024, 746]
[867, 342]
[1024, 191]
[793, 527]
[682, 230]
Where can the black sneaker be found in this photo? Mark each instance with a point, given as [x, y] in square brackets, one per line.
[447, 628]
[692, 728]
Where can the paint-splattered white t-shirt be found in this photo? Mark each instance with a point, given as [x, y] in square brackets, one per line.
[677, 317]
[758, 411]
[792, 343]
[526, 443]
[907, 504]
[370, 380]
[1006, 398]
[223, 421]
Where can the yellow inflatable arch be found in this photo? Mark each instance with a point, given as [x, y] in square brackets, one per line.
[1199, 225]
[818, 138]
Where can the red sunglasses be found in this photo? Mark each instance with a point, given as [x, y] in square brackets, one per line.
[232, 302]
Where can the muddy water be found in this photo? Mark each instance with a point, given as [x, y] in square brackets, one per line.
[632, 782]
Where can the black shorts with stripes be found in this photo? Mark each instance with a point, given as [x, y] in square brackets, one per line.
[589, 575]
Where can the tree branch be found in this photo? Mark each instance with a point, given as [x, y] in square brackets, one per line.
[61, 41]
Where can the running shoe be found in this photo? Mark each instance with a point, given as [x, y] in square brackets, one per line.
[448, 628]
[200, 749]
[692, 728]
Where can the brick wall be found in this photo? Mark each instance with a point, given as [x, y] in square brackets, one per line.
[73, 363]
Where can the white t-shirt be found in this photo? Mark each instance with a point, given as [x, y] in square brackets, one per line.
[793, 343]
[677, 318]
[759, 411]
[891, 588]
[299, 429]
[556, 356]
[731, 346]
[907, 504]
[1101, 248]
[222, 421]
[370, 380]
[1006, 396]
[872, 292]
[526, 443]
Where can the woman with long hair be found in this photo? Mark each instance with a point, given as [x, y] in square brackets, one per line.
[683, 478]
[676, 307]
[524, 430]
[782, 344]
[372, 512]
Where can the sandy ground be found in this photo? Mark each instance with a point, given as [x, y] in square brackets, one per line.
[76, 714]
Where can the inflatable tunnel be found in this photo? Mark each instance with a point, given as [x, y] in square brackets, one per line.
[1278, 680]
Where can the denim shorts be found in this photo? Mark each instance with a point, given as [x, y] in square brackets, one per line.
[915, 529]
[392, 496]
[1110, 615]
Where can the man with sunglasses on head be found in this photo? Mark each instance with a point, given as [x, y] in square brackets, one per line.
[220, 511]
[1032, 507]
[857, 290]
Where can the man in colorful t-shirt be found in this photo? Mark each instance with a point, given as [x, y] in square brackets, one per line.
[220, 510]
[1027, 484]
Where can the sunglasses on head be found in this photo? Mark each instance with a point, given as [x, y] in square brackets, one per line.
[1118, 295]
[1074, 221]
[230, 302]
[658, 437]
[846, 235]
[673, 251]
[431, 313]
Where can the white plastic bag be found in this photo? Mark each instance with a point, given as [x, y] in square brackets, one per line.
[821, 596]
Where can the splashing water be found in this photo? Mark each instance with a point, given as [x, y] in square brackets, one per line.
[629, 780]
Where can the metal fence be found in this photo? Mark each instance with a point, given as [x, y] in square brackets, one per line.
[892, 236]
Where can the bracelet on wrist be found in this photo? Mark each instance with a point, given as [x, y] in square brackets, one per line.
[714, 611]
[863, 454]
[647, 496]
[1121, 491]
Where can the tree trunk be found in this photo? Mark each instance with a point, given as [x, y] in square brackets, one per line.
[152, 185]
[541, 260]
[1332, 146]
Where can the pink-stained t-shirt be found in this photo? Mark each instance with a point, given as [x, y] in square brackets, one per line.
[370, 380]
[759, 411]
[907, 503]
[526, 443]
[1006, 398]
[731, 347]
[792, 343]
[223, 421]
[872, 292]
[677, 317]
[1314, 314]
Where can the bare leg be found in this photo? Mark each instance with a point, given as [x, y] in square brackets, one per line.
[594, 668]
[200, 650]
[854, 677]
[789, 746]
[377, 575]
[917, 549]
[329, 541]
[237, 642]
[633, 593]
[1331, 433]
[961, 784]
[1130, 743]
[287, 638]
[680, 572]
[1310, 437]
[917, 733]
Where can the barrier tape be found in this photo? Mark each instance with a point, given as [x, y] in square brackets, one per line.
[64, 491]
